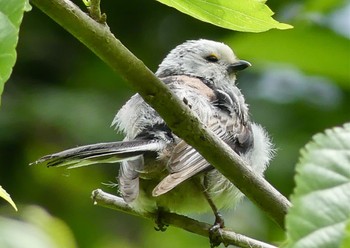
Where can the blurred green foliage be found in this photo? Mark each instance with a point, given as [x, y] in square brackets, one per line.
[36, 228]
[60, 95]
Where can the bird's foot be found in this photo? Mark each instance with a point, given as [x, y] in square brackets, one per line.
[215, 236]
[160, 226]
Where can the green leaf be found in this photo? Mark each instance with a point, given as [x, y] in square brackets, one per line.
[7, 197]
[11, 14]
[240, 15]
[321, 198]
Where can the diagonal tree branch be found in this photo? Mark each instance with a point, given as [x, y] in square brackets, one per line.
[98, 38]
[227, 237]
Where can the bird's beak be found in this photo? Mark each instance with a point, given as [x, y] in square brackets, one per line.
[238, 66]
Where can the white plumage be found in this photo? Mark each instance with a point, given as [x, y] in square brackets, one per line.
[158, 169]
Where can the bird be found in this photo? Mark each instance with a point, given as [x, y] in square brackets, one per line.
[159, 170]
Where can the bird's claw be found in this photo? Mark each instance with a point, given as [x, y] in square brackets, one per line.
[160, 226]
[215, 236]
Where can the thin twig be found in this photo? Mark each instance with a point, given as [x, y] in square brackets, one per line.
[94, 7]
[177, 115]
[227, 237]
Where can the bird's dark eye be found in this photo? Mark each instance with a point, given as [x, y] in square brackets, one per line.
[212, 58]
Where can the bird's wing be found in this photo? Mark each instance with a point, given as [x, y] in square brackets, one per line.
[187, 162]
[101, 153]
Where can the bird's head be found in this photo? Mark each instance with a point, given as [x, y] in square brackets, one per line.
[213, 61]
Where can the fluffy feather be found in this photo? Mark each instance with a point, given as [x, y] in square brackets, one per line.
[158, 169]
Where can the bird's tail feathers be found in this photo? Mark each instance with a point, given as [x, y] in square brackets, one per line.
[110, 152]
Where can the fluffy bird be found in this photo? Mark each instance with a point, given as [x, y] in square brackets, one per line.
[158, 169]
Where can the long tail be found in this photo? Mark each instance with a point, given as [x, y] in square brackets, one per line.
[111, 152]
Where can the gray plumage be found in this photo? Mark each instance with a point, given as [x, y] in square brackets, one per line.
[158, 169]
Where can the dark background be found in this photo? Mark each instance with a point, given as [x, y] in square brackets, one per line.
[60, 95]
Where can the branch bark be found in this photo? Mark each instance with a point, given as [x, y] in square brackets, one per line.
[227, 237]
[98, 38]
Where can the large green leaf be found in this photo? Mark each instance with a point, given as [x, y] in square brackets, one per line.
[240, 15]
[11, 14]
[321, 199]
